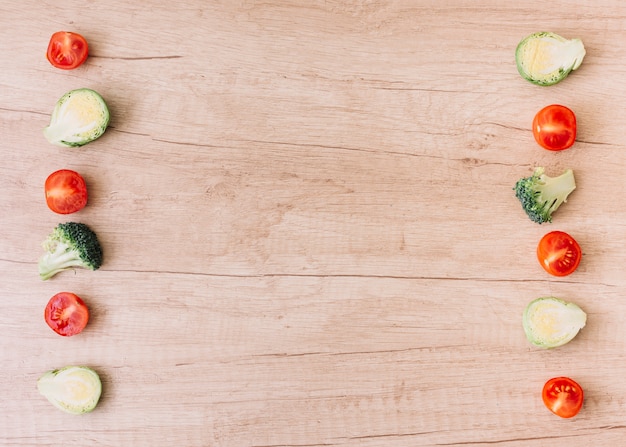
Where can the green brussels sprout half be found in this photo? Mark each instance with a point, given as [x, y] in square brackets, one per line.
[546, 58]
[79, 117]
[73, 389]
[550, 322]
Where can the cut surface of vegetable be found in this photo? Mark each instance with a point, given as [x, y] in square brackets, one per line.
[541, 195]
[546, 58]
[66, 314]
[67, 50]
[558, 253]
[69, 245]
[563, 396]
[73, 389]
[554, 127]
[551, 322]
[78, 118]
[66, 191]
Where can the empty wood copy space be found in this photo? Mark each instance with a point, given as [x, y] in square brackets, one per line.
[308, 223]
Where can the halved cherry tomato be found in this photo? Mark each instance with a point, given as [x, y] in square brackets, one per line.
[554, 127]
[563, 397]
[66, 314]
[67, 50]
[559, 253]
[66, 191]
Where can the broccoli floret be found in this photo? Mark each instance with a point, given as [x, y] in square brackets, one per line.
[541, 195]
[70, 245]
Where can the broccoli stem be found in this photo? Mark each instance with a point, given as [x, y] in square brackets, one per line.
[62, 258]
[557, 189]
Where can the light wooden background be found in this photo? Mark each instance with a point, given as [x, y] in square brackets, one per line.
[310, 233]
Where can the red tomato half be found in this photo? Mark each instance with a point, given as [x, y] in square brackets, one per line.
[66, 191]
[67, 50]
[554, 127]
[66, 314]
[562, 396]
[559, 253]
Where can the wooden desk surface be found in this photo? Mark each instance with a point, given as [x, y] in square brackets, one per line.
[310, 233]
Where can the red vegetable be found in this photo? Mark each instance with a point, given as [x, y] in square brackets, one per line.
[554, 127]
[66, 314]
[559, 253]
[562, 396]
[67, 50]
[66, 191]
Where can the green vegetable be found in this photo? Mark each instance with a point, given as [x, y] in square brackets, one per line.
[79, 117]
[73, 389]
[546, 58]
[541, 195]
[70, 245]
[550, 322]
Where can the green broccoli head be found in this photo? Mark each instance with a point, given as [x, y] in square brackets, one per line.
[541, 195]
[70, 245]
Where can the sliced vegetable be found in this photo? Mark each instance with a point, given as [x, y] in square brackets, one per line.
[73, 389]
[551, 322]
[66, 191]
[78, 118]
[545, 58]
[67, 50]
[558, 253]
[554, 127]
[541, 195]
[66, 314]
[70, 245]
[563, 396]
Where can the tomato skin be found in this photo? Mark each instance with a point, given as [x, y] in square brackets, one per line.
[66, 314]
[66, 191]
[563, 396]
[558, 253]
[554, 127]
[67, 50]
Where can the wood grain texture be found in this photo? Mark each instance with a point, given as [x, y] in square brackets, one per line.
[309, 227]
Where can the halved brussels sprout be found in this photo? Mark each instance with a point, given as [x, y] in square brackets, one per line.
[546, 58]
[73, 389]
[550, 322]
[79, 117]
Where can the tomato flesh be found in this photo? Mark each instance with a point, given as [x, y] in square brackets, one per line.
[558, 253]
[66, 191]
[67, 50]
[554, 127]
[563, 396]
[66, 314]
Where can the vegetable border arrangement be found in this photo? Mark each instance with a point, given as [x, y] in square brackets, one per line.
[545, 58]
[79, 117]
